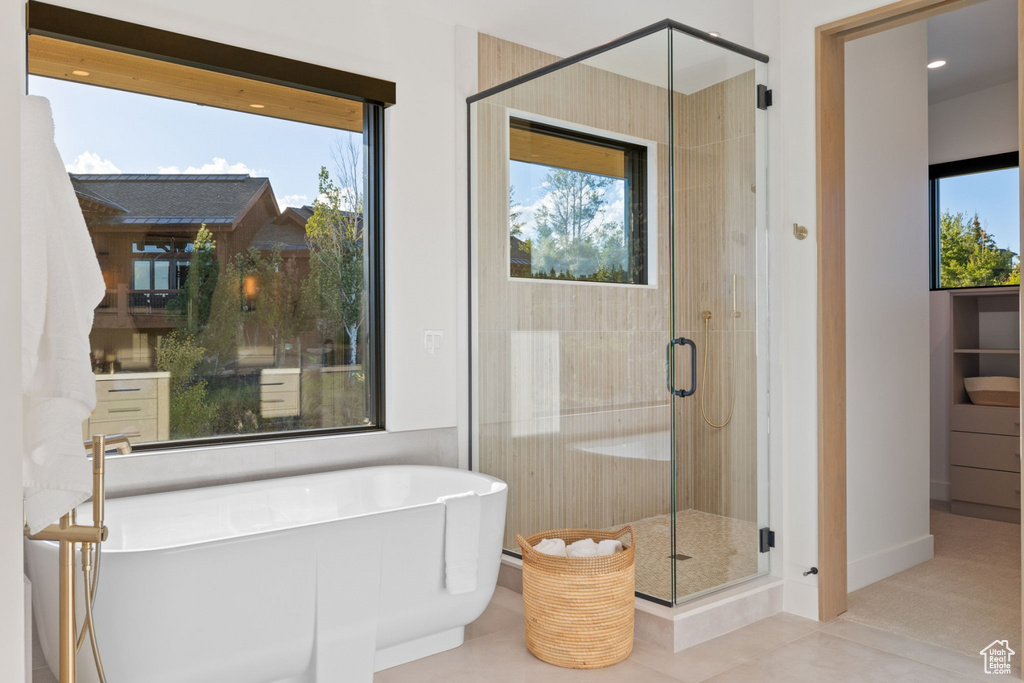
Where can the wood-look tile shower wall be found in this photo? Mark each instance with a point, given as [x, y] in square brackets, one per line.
[561, 365]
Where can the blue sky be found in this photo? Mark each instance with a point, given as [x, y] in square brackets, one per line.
[995, 196]
[528, 182]
[109, 131]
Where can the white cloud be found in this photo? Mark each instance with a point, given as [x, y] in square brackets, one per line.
[293, 200]
[611, 210]
[218, 165]
[90, 162]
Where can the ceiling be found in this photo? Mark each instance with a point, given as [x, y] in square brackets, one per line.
[980, 45]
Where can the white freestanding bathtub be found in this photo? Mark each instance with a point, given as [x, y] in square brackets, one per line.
[311, 579]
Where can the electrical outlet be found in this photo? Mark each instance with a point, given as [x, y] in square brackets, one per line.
[432, 340]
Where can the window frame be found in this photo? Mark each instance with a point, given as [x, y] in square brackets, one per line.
[641, 159]
[374, 95]
[952, 169]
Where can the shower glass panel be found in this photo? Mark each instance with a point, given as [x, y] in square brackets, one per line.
[615, 197]
[719, 249]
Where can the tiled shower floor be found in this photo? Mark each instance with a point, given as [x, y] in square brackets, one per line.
[719, 549]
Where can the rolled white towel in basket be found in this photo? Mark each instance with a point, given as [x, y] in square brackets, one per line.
[584, 548]
[551, 546]
[609, 546]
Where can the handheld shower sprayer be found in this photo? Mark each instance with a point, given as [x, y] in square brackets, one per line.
[706, 315]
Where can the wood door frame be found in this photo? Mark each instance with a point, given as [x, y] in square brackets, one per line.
[830, 104]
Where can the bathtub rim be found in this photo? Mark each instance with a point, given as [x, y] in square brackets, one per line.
[84, 511]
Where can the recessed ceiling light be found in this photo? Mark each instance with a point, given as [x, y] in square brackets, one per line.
[937, 63]
[79, 72]
[257, 106]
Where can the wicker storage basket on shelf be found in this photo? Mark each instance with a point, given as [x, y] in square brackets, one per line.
[579, 610]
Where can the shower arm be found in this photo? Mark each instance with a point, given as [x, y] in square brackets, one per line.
[67, 533]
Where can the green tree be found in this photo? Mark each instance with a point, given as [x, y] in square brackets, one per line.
[333, 292]
[223, 330]
[194, 300]
[970, 257]
[190, 414]
[571, 242]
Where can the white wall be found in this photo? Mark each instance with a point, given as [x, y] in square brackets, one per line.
[12, 619]
[974, 125]
[887, 304]
[795, 315]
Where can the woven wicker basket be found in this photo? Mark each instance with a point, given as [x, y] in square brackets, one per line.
[579, 610]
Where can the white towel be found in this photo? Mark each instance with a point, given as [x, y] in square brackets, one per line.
[609, 547]
[461, 541]
[61, 286]
[551, 546]
[584, 548]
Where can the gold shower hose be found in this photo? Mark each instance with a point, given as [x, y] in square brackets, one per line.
[732, 364]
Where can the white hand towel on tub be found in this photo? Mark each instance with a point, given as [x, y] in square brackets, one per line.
[61, 285]
[584, 548]
[609, 547]
[551, 546]
[461, 541]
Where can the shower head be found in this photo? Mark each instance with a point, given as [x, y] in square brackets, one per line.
[706, 315]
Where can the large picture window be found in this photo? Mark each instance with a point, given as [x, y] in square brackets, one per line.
[237, 223]
[577, 206]
[975, 222]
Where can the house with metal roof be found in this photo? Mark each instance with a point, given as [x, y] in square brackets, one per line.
[143, 227]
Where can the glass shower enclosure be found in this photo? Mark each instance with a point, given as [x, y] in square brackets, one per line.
[618, 307]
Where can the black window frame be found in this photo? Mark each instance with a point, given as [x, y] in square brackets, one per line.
[374, 94]
[952, 169]
[635, 220]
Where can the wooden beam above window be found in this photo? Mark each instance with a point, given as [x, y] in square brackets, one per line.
[551, 150]
[90, 65]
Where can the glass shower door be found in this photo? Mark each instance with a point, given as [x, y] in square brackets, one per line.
[718, 263]
[571, 284]
[618, 259]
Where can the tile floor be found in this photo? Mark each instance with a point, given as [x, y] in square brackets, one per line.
[783, 648]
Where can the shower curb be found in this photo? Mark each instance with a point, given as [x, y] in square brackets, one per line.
[676, 628]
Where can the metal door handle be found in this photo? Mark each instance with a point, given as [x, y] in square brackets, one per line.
[669, 379]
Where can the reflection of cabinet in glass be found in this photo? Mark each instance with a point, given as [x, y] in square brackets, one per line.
[279, 392]
[135, 404]
[984, 445]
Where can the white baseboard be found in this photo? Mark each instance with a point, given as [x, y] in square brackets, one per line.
[892, 560]
[801, 598]
[940, 490]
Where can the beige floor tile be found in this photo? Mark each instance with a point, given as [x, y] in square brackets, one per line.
[508, 599]
[707, 659]
[909, 648]
[503, 658]
[819, 657]
[495, 618]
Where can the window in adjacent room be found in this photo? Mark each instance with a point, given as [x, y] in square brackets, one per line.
[577, 206]
[237, 223]
[975, 222]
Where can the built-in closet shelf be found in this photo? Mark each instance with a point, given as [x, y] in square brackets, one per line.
[984, 440]
[1007, 351]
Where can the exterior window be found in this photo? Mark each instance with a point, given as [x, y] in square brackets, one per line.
[975, 221]
[238, 238]
[577, 206]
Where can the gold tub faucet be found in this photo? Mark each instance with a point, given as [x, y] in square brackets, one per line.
[67, 533]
